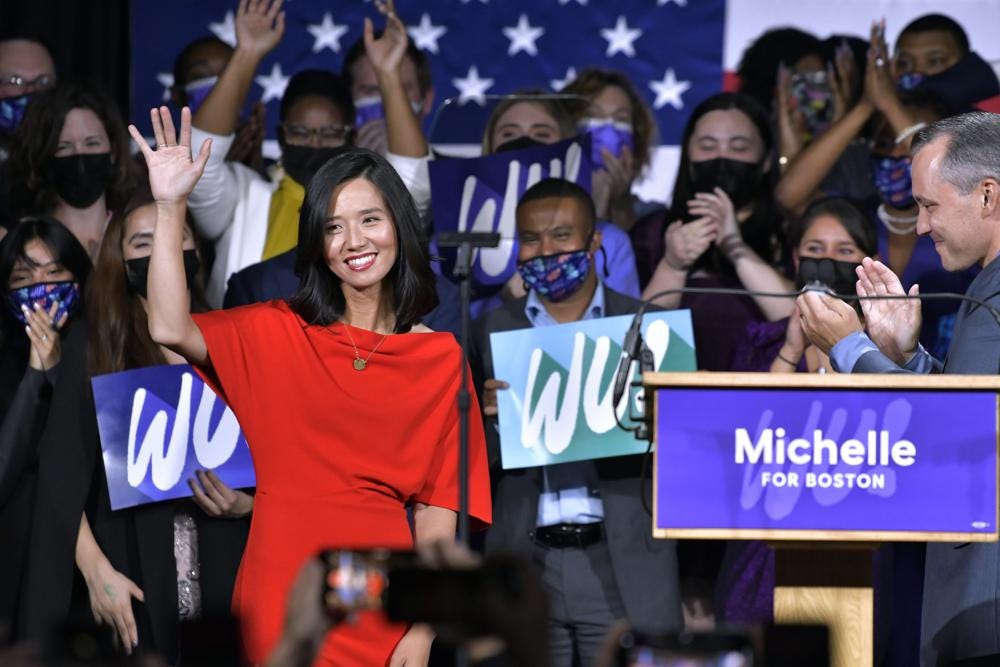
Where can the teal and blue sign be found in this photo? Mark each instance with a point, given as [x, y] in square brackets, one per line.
[559, 404]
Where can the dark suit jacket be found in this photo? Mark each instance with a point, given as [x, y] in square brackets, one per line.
[275, 279]
[961, 607]
[644, 569]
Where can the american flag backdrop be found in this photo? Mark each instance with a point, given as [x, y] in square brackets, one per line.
[675, 51]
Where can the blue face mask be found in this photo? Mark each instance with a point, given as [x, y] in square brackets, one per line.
[12, 111]
[198, 90]
[555, 277]
[893, 181]
[910, 80]
[608, 134]
[369, 109]
[66, 293]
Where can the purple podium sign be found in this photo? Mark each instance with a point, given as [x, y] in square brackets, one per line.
[748, 462]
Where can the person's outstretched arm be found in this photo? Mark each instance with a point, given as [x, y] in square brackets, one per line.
[259, 27]
[172, 175]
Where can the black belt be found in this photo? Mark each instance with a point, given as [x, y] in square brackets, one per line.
[569, 535]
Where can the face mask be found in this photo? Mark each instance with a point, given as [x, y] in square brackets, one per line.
[137, 271]
[892, 180]
[301, 162]
[738, 179]
[80, 179]
[66, 293]
[839, 276]
[555, 277]
[198, 90]
[12, 111]
[910, 80]
[814, 100]
[520, 143]
[608, 134]
[370, 109]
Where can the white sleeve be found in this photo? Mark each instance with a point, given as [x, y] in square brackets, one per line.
[213, 201]
[416, 177]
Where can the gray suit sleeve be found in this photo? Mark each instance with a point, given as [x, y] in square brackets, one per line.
[874, 361]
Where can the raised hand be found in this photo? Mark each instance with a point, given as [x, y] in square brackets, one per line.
[386, 53]
[172, 172]
[879, 88]
[892, 324]
[843, 77]
[259, 26]
[685, 243]
[790, 121]
[717, 206]
[43, 332]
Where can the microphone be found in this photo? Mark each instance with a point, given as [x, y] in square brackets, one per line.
[630, 350]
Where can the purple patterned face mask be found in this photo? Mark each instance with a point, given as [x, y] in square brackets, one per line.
[910, 80]
[814, 99]
[609, 134]
[65, 292]
[893, 181]
[555, 277]
[197, 91]
[12, 111]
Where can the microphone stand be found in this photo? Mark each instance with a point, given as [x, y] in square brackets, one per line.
[465, 242]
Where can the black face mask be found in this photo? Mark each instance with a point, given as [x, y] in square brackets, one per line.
[524, 141]
[302, 162]
[82, 178]
[739, 179]
[839, 276]
[137, 271]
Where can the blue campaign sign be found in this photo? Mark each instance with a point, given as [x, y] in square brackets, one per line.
[481, 195]
[559, 404]
[158, 425]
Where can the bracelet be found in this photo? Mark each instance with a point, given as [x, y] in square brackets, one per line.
[909, 132]
[793, 364]
[683, 269]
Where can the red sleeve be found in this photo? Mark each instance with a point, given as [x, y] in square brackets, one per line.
[235, 340]
[441, 486]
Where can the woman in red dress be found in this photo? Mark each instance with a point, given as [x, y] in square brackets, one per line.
[348, 403]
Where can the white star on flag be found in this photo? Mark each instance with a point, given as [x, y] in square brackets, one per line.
[523, 36]
[226, 31]
[426, 35]
[559, 84]
[680, 3]
[620, 38]
[326, 34]
[669, 90]
[566, 2]
[472, 88]
[274, 84]
[165, 79]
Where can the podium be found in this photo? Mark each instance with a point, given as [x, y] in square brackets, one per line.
[825, 468]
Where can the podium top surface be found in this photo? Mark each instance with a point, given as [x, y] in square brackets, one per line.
[716, 380]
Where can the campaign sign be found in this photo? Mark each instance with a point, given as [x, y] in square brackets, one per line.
[481, 195]
[826, 460]
[158, 425]
[559, 404]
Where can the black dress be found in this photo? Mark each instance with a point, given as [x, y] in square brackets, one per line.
[139, 542]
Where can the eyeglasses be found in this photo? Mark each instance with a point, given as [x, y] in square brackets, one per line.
[330, 134]
[18, 81]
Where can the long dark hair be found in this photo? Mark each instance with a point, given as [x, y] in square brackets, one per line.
[118, 331]
[319, 298]
[37, 138]
[65, 248]
[762, 230]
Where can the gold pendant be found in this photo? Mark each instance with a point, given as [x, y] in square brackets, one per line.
[359, 364]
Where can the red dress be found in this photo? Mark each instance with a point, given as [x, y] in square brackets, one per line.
[338, 453]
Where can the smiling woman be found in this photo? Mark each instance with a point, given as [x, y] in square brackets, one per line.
[337, 464]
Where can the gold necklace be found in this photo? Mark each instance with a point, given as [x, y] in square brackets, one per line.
[359, 363]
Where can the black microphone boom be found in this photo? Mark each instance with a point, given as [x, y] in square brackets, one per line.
[630, 351]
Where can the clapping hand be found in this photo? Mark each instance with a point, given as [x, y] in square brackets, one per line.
[826, 320]
[717, 206]
[685, 243]
[386, 53]
[43, 332]
[613, 181]
[259, 26]
[892, 324]
[790, 119]
[172, 172]
[880, 89]
[843, 77]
